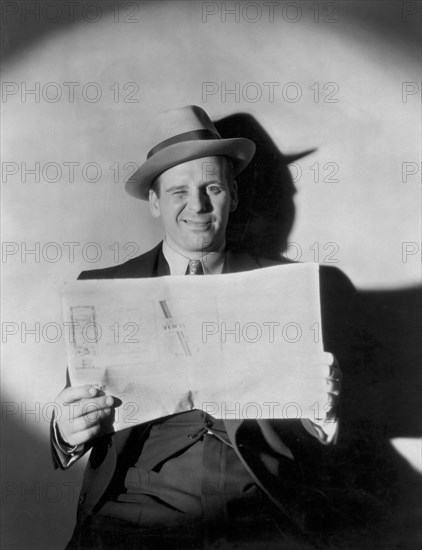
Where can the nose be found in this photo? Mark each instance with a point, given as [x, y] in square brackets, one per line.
[198, 202]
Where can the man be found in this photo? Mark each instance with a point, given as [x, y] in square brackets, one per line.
[189, 479]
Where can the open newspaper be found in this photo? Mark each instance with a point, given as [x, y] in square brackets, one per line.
[243, 345]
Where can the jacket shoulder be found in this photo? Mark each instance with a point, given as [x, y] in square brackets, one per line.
[141, 266]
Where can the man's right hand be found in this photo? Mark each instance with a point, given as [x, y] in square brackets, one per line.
[80, 412]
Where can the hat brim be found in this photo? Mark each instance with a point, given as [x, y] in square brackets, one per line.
[240, 150]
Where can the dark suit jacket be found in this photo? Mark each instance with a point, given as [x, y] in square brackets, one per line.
[291, 466]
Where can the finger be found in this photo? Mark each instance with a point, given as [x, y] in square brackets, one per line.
[90, 406]
[335, 370]
[333, 386]
[76, 393]
[81, 423]
[331, 373]
[332, 399]
[93, 417]
[85, 435]
[328, 358]
[336, 373]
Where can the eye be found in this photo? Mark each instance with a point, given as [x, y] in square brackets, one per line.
[214, 189]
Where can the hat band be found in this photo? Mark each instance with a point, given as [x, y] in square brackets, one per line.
[186, 136]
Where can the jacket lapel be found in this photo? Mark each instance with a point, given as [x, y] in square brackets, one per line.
[141, 266]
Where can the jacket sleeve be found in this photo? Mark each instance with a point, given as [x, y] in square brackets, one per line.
[61, 456]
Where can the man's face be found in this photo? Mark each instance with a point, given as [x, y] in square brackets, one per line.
[194, 201]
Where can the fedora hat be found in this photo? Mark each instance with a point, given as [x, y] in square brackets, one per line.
[181, 135]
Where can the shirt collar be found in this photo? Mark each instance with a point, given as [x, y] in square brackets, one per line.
[212, 263]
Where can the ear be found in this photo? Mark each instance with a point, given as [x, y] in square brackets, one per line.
[154, 204]
[234, 197]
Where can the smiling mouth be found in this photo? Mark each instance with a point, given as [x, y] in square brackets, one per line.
[197, 225]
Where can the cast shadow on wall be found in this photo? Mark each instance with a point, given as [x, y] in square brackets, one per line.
[264, 218]
[381, 392]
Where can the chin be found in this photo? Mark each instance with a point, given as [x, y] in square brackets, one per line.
[203, 244]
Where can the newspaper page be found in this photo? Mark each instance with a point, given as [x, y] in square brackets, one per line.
[242, 345]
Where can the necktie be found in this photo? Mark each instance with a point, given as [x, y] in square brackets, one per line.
[194, 268]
